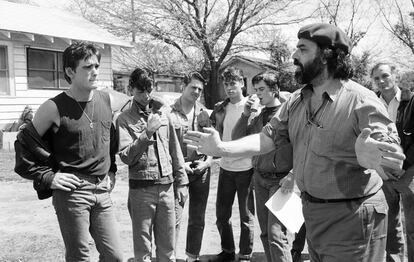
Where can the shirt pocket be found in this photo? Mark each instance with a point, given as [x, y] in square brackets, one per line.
[322, 141]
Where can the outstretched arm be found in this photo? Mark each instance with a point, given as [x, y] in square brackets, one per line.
[210, 144]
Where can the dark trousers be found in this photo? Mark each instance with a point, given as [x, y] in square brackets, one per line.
[395, 235]
[229, 184]
[353, 230]
[300, 239]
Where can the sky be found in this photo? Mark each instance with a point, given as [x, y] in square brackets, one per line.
[378, 40]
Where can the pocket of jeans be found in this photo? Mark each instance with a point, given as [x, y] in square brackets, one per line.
[374, 226]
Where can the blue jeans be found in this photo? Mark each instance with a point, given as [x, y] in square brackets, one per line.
[198, 190]
[274, 235]
[229, 184]
[354, 230]
[88, 210]
[395, 235]
[152, 208]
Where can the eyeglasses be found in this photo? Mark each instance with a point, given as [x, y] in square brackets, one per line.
[310, 119]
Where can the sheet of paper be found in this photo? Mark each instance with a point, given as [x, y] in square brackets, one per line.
[288, 209]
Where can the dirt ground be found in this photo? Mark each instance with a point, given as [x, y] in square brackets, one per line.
[29, 230]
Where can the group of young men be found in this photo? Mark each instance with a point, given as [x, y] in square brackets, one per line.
[333, 137]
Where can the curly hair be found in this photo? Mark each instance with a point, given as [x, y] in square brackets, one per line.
[338, 62]
[232, 74]
[141, 79]
[76, 52]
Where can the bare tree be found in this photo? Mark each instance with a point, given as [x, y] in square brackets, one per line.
[354, 16]
[398, 17]
[210, 26]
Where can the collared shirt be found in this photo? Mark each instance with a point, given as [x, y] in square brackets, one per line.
[182, 123]
[325, 163]
[392, 107]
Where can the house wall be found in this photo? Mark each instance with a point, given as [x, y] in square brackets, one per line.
[12, 105]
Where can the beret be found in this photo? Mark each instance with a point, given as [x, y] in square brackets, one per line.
[326, 35]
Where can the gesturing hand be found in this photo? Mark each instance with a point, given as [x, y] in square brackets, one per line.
[153, 124]
[65, 182]
[207, 143]
[373, 154]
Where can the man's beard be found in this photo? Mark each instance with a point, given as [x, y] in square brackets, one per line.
[309, 71]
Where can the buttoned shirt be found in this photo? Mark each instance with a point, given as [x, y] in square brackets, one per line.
[325, 163]
[392, 107]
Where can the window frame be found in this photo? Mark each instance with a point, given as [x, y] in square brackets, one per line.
[7, 70]
[56, 71]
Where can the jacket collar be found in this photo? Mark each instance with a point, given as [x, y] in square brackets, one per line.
[178, 106]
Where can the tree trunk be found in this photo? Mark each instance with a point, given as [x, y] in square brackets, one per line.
[212, 92]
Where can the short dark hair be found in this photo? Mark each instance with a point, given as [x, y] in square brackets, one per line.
[232, 74]
[377, 65]
[338, 62]
[271, 78]
[76, 52]
[193, 75]
[141, 79]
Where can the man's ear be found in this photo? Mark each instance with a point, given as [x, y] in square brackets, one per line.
[70, 72]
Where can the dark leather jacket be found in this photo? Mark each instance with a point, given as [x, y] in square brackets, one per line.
[405, 126]
[34, 160]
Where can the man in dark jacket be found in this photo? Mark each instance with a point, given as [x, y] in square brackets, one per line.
[384, 76]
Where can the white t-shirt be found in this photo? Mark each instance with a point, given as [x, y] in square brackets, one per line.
[233, 113]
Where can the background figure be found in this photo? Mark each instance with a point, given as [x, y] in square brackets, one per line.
[80, 170]
[270, 169]
[384, 76]
[189, 114]
[235, 173]
[150, 148]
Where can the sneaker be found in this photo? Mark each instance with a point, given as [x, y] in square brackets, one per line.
[223, 257]
[296, 255]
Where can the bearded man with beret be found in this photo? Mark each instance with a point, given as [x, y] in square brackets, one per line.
[342, 141]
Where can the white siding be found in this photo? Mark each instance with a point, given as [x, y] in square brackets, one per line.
[11, 106]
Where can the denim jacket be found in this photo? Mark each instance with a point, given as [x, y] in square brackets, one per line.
[150, 158]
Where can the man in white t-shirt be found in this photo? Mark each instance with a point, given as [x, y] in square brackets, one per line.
[235, 173]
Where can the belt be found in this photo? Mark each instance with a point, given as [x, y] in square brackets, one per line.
[91, 178]
[312, 199]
